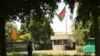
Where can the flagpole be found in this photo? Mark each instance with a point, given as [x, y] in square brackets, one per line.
[66, 19]
[66, 24]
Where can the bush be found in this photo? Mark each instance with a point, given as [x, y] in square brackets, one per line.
[87, 54]
[79, 48]
[40, 54]
[45, 54]
[15, 54]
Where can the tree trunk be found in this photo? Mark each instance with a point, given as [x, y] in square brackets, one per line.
[97, 46]
[97, 36]
[2, 38]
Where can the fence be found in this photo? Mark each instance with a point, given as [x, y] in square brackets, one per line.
[22, 46]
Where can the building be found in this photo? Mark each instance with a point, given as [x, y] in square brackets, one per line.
[64, 36]
[61, 41]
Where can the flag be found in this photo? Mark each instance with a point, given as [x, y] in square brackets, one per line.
[61, 15]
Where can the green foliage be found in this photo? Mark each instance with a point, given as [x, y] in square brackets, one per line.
[8, 30]
[23, 29]
[78, 48]
[25, 36]
[15, 54]
[38, 8]
[81, 31]
[40, 31]
[8, 27]
[10, 9]
[90, 11]
[39, 54]
[45, 54]
[87, 10]
[71, 4]
[87, 54]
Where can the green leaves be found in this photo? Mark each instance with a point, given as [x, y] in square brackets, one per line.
[25, 36]
[8, 27]
[81, 30]
[40, 31]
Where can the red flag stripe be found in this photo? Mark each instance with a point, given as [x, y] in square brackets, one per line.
[62, 14]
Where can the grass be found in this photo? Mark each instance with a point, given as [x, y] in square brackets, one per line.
[41, 54]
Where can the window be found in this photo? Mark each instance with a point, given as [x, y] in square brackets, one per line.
[57, 42]
[65, 41]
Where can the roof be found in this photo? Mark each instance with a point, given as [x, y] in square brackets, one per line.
[59, 36]
[63, 36]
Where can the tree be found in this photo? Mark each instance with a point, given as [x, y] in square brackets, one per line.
[40, 31]
[8, 27]
[9, 9]
[25, 36]
[81, 31]
[8, 30]
[24, 28]
[90, 10]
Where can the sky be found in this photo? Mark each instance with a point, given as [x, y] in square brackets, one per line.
[18, 24]
[66, 24]
[57, 25]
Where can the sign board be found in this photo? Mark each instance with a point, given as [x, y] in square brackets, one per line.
[14, 34]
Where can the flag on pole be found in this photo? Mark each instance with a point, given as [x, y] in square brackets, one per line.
[61, 15]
